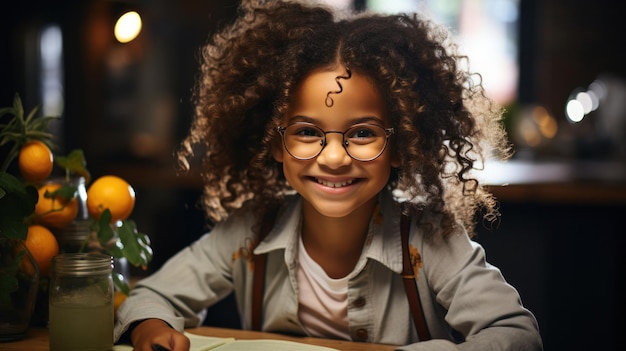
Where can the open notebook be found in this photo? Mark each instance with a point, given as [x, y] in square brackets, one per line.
[204, 343]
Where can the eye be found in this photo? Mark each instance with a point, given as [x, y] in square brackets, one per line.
[307, 132]
[364, 134]
[304, 132]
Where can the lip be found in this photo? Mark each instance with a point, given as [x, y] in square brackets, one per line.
[334, 185]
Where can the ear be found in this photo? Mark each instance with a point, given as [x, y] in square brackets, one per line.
[395, 161]
[277, 151]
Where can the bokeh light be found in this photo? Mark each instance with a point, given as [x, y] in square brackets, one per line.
[127, 27]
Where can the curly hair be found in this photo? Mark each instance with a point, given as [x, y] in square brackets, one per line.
[445, 124]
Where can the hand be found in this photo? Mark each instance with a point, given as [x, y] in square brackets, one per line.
[153, 332]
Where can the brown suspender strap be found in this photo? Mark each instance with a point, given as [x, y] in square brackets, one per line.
[410, 284]
[258, 278]
[258, 284]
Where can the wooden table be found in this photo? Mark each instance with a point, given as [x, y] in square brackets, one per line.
[37, 340]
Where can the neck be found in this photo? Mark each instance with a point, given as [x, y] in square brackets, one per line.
[336, 243]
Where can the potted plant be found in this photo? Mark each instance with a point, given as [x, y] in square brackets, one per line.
[27, 199]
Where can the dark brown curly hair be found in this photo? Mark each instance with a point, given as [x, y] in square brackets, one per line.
[445, 125]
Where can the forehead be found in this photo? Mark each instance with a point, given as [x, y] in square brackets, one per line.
[324, 95]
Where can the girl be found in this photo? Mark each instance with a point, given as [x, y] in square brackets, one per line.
[337, 158]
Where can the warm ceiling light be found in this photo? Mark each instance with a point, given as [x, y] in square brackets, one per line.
[127, 27]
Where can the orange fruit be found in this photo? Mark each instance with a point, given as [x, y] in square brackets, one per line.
[113, 193]
[35, 161]
[54, 212]
[42, 245]
[118, 298]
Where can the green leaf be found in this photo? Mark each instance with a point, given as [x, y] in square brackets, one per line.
[120, 283]
[40, 124]
[104, 230]
[10, 183]
[31, 115]
[75, 162]
[16, 204]
[18, 108]
[18, 131]
[135, 245]
[14, 228]
[66, 192]
[6, 111]
[115, 250]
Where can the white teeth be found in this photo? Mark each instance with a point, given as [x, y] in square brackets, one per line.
[333, 184]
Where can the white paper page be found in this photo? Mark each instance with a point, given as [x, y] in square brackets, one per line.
[204, 343]
[198, 343]
[271, 345]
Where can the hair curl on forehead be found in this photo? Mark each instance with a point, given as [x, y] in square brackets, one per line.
[445, 125]
[329, 102]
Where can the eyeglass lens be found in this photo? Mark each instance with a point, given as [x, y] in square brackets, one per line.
[362, 141]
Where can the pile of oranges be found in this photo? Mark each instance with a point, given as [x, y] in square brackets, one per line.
[54, 211]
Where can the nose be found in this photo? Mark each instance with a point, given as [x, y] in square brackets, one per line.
[334, 155]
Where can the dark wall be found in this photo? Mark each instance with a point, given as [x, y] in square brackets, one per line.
[574, 42]
[112, 89]
[564, 45]
[566, 262]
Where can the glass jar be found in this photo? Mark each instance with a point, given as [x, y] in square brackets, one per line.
[77, 236]
[19, 281]
[72, 237]
[81, 302]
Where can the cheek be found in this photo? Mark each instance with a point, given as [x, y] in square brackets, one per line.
[384, 168]
[391, 157]
[290, 172]
[384, 171]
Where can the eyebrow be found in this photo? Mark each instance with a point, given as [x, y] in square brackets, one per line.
[353, 121]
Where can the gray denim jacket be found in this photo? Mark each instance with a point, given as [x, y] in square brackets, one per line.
[458, 289]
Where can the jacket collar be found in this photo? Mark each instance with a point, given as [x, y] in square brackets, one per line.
[383, 242]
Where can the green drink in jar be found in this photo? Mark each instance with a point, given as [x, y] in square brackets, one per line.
[81, 303]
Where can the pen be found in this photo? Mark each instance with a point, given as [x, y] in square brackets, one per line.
[157, 347]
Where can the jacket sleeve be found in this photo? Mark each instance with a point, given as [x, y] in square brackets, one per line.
[192, 280]
[479, 303]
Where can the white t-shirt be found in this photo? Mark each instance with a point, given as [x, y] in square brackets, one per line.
[323, 308]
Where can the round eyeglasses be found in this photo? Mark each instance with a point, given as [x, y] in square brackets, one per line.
[362, 142]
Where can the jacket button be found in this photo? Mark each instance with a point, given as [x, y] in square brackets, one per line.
[361, 335]
[359, 302]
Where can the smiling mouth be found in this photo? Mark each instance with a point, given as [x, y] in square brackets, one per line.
[334, 184]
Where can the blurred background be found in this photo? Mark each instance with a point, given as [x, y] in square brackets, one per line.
[559, 68]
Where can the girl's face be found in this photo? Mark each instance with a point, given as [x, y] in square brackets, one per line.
[333, 183]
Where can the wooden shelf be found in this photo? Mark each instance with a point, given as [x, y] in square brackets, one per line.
[571, 193]
[558, 182]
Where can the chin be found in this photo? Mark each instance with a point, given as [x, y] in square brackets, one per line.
[335, 210]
